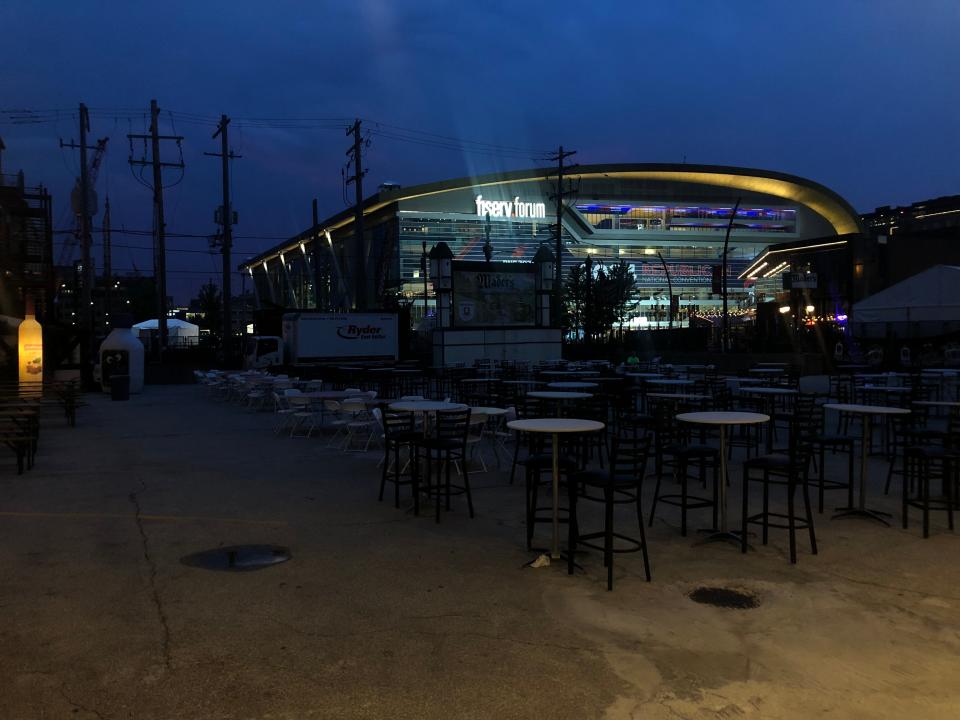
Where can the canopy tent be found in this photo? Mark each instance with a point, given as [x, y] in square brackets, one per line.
[925, 305]
[179, 332]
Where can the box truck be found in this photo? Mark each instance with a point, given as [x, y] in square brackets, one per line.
[310, 338]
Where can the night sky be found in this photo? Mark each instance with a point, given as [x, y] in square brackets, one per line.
[860, 95]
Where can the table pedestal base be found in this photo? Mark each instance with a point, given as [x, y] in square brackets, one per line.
[877, 515]
[718, 535]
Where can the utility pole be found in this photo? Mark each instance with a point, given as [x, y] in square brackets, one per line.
[87, 278]
[160, 236]
[226, 155]
[315, 251]
[107, 261]
[558, 158]
[359, 254]
[725, 328]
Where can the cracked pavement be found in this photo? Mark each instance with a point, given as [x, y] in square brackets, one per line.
[381, 614]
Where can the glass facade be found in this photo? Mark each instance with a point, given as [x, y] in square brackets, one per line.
[699, 218]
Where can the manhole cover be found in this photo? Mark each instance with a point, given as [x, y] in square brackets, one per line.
[725, 598]
[238, 558]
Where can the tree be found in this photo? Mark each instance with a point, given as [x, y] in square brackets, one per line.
[597, 297]
[623, 290]
[211, 309]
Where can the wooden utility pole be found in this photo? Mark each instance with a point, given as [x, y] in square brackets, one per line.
[558, 158]
[725, 331]
[85, 311]
[160, 232]
[226, 155]
[359, 255]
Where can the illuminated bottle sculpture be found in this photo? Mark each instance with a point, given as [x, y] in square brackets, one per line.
[30, 347]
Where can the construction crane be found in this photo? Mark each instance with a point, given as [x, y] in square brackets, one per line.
[73, 241]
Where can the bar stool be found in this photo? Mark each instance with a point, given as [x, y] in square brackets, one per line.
[399, 431]
[620, 485]
[675, 449]
[788, 470]
[921, 465]
[449, 443]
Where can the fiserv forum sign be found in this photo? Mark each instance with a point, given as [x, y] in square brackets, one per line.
[510, 208]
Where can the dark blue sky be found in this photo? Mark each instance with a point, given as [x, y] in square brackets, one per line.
[860, 95]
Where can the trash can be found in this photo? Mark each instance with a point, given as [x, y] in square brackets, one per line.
[119, 387]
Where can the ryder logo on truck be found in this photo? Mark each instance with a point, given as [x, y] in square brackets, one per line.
[360, 332]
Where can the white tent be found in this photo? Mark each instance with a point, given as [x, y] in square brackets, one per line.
[180, 331]
[926, 304]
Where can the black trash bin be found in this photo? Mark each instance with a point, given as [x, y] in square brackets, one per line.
[119, 387]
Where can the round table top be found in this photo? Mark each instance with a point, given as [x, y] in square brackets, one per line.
[769, 391]
[522, 382]
[866, 409]
[404, 371]
[555, 425]
[331, 395]
[482, 410]
[886, 388]
[558, 395]
[937, 403]
[671, 381]
[425, 406]
[723, 417]
[572, 385]
[677, 396]
[480, 380]
[942, 371]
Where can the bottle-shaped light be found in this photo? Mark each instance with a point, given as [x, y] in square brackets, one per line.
[30, 347]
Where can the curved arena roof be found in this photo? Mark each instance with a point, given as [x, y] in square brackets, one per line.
[834, 209]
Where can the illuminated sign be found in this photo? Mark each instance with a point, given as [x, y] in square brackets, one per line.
[510, 208]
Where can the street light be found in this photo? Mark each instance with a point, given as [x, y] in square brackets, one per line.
[441, 274]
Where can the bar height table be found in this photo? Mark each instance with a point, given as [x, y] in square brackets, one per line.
[556, 426]
[868, 411]
[722, 419]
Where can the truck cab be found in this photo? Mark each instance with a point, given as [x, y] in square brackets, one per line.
[262, 351]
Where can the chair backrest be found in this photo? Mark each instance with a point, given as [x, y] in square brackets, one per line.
[394, 423]
[453, 424]
[628, 456]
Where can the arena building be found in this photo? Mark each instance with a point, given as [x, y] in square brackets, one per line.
[658, 218]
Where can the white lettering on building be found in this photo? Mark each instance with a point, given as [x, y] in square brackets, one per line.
[510, 208]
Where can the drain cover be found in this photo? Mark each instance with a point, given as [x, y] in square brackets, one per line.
[725, 598]
[238, 558]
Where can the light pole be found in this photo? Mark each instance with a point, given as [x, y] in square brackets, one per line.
[666, 271]
[423, 272]
[725, 333]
